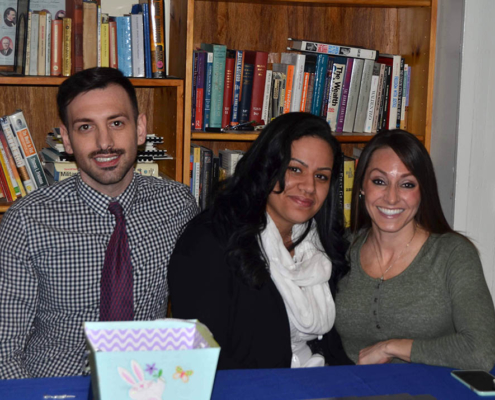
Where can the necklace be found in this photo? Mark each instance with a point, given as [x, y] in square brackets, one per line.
[382, 278]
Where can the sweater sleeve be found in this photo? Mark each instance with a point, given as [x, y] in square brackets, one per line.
[472, 346]
[199, 285]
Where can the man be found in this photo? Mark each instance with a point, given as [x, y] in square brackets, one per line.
[55, 242]
[6, 49]
[9, 17]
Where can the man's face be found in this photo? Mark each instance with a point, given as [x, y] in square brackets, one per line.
[5, 44]
[11, 16]
[103, 137]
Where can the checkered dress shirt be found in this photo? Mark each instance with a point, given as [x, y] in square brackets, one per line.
[52, 249]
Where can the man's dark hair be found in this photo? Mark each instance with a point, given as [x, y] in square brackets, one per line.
[91, 79]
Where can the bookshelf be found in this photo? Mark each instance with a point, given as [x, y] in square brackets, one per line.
[405, 27]
[160, 99]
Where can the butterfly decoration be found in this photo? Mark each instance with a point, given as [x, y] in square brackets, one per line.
[181, 374]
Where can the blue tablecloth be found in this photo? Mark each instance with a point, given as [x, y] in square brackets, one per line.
[283, 384]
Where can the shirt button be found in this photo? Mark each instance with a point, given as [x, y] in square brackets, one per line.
[378, 327]
[376, 299]
[374, 312]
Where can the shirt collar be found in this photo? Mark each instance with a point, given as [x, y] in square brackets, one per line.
[99, 202]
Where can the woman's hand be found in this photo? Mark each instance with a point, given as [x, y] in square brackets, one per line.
[384, 352]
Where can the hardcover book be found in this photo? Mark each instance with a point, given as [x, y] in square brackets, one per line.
[208, 86]
[56, 56]
[217, 84]
[228, 88]
[246, 88]
[394, 62]
[259, 78]
[137, 45]
[124, 46]
[338, 75]
[319, 86]
[236, 97]
[157, 39]
[344, 96]
[200, 89]
[67, 47]
[373, 97]
[90, 38]
[364, 96]
[298, 61]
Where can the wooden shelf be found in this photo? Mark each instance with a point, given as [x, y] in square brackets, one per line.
[56, 81]
[339, 3]
[4, 207]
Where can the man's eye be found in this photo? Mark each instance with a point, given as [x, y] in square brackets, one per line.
[117, 123]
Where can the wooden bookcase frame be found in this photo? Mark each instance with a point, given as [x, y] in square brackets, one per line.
[405, 27]
[160, 99]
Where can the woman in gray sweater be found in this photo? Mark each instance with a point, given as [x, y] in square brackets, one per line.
[416, 290]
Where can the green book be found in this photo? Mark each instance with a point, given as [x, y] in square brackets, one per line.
[217, 86]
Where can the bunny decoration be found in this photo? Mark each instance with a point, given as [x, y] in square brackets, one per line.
[142, 389]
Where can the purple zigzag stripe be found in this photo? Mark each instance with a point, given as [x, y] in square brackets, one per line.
[168, 337]
[143, 347]
[163, 334]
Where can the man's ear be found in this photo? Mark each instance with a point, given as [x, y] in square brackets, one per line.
[65, 139]
[141, 129]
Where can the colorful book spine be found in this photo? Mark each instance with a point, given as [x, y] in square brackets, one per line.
[217, 84]
[380, 91]
[289, 83]
[7, 173]
[200, 90]
[304, 94]
[345, 93]
[14, 173]
[332, 49]
[124, 46]
[105, 41]
[19, 160]
[319, 87]
[157, 39]
[208, 86]
[239, 65]
[57, 43]
[247, 90]
[147, 42]
[259, 78]
[194, 82]
[394, 62]
[326, 92]
[399, 95]
[385, 105]
[4, 183]
[228, 88]
[67, 47]
[28, 149]
[338, 75]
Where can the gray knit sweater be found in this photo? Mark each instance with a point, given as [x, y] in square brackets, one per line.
[441, 301]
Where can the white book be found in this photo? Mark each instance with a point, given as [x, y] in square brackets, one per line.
[48, 47]
[364, 96]
[298, 61]
[379, 97]
[137, 41]
[35, 22]
[338, 74]
[352, 97]
[372, 98]
[332, 49]
[266, 96]
[98, 36]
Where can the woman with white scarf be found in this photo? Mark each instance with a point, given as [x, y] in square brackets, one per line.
[259, 267]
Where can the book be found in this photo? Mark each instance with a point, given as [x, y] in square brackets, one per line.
[67, 47]
[332, 49]
[200, 90]
[60, 171]
[326, 89]
[265, 115]
[238, 69]
[5, 184]
[379, 93]
[345, 92]
[393, 61]
[373, 96]
[57, 43]
[196, 152]
[208, 85]
[124, 51]
[27, 59]
[28, 150]
[147, 41]
[280, 80]
[289, 81]
[137, 44]
[33, 47]
[246, 87]
[90, 34]
[364, 97]
[338, 75]
[406, 102]
[304, 94]
[15, 149]
[319, 85]
[14, 173]
[112, 44]
[205, 177]
[9, 190]
[157, 38]
[42, 44]
[349, 169]
[399, 95]
[75, 12]
[217, 84]
[258, 88]
[98, 35]
[228, 87]
[298, 61]
[352, 95]
[21, 37]
[384, 105]
[194, 82]
[105, 41]
[48, 44]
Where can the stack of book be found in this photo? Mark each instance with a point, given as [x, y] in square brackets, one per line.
[81, 36]
[20, 167]
[357, 91]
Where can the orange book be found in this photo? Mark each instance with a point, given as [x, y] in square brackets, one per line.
[288, 88]
[157, 39]
[304, 95]
[57, 40]
[112, 43]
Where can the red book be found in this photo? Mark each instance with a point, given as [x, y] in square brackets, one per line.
[75, 11]
[112, 43]
[228, 87]
[259, 78]
[56, 49]
[200, 90]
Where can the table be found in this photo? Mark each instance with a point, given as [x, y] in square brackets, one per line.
[284, 384]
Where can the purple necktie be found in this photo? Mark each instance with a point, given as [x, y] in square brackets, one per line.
[116, 299]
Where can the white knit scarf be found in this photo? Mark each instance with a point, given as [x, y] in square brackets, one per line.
[303, 284]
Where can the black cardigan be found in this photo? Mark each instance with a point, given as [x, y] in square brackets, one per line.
[251, 326]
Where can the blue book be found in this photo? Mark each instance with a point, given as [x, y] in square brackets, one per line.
[193, 88]
[147, 45]
[208, 83]
[239, 62]
[319, 87]
[217, 83]
[247, 86]
[124, 49]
